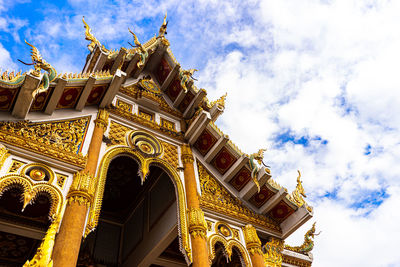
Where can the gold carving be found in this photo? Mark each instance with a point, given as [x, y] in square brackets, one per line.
[136, 92]
[37, 174]
[61, 180]
[219, 102]
[167, 124]
[93, 40]
[124, 106]
[15, 165]
[308, 243]
[151, 124]
[82, 188]
[146, 143]
[31, 191]
[209, 225]
[47, 171]
[44, 252]
[3, 155]
[170, 154]
[253, 243]
[146, 115]
[296, 261]
[186, 156]
[216, 198]
[236, 234]
[57, 139]
[102, 119]
[297, 195]
[228, 246]
[197, 224]
[273, 252]
[117, 134]
[144, 163]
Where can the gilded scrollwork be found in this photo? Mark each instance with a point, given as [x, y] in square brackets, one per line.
[216, 198]
[144, 165]
[62, 139]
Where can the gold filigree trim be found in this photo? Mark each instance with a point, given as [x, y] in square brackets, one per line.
[15, 165]
[170, 153]
[3, 155]
[82, 188]
[117, 134]
[144, 167]
[216, 198]
[151, 124]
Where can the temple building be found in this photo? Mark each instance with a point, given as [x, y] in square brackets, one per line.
[123, 165]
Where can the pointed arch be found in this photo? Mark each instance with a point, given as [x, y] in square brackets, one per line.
[228, 245]
[144, 165]
[31, 190]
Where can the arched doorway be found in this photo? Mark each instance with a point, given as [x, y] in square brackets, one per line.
[22, 228]
[138, 220]
[222, 259]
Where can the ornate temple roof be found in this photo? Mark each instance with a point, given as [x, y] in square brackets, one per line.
[150, 72]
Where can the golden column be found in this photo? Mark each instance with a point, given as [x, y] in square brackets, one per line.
[253, 245]
[197, 223]
[79, 199]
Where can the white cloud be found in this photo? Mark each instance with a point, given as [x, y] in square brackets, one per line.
[5, 60]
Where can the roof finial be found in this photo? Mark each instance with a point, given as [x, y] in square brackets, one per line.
[163, 28]
[90, 37]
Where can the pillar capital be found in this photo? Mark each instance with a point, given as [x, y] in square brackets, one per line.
[197, 223]
[187, 156]
[82, 188]
[253, 243]
[102, 119]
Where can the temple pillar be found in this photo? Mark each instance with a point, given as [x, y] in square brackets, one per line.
[253, 245]
[79, 199]
[197, 223]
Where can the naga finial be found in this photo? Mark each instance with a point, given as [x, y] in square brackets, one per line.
[40, 64]
[308, 243]
[186, 76]
[90, 37]
[142, 51]
[256, 157]
[163, 28]
[220, 102]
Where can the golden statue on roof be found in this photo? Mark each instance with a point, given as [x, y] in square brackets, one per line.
[256, 162]
[141, 50]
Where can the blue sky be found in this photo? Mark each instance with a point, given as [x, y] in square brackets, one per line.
[315, 82]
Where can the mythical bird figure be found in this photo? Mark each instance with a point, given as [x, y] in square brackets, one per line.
[142, 52]
[308, 243]
[40, 64]
[186, 76]
[256, 162]
[163, 28]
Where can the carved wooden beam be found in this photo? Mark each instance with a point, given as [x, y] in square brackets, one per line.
[25, 97]
[297, 219]
[195, 102]
[216, 148]
[132, 65]
[196, 128]
[55, 96]
[119, 60]
[113, 88]
[251, 188]
[235, 168]
[85, 93]
[171, 76]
